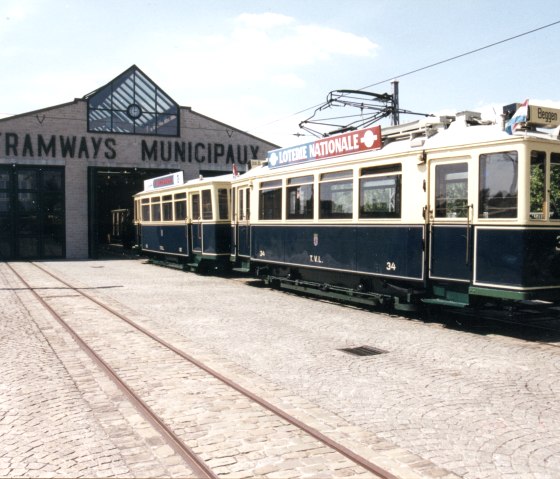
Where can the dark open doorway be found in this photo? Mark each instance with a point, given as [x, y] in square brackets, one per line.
[110, 204]
[32, 218]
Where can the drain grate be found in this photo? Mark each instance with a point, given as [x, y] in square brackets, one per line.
[363, 351]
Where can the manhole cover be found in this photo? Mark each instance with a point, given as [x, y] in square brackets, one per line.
[363, 351]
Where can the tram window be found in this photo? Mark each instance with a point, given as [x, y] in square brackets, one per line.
[247, 203]
[180, 206]
[537, 185]
[241, 203]
[270, 200]
[335, 195]
[155, 209]
[244, 198]
[145, 209]
[195, 206]
[223, 207]
[206, 204]
[554, 189]
[138, 211]
[498, 185]
[380, 195]
[299, 198]
[452, 190]
[167, 208]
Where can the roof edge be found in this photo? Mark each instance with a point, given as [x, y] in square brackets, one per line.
[233, 128]
[41, 110]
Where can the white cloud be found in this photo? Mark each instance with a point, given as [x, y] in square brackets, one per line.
[266, 48]
[263, 21]
[14, 11]
[281, 40]
[268, 56]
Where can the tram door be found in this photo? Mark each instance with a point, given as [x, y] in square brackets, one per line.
[450, 218]
[242, 236]
[196, 222]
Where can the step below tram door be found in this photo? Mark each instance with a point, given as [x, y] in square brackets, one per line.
[450, 229]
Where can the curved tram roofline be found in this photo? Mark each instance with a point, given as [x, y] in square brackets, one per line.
[445, 211]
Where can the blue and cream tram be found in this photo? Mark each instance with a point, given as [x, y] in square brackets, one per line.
[449, 210]
[446, 210]
[186, 223]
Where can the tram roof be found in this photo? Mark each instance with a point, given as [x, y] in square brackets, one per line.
[459, 133]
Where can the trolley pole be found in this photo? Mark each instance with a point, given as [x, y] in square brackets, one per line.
[395, 113]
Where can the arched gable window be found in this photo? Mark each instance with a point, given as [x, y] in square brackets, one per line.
[133, 104]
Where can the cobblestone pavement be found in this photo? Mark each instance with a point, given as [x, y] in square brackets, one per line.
[236, 437]
[443, 403]
[59, 415]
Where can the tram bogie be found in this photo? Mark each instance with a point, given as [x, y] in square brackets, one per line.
[446, 211]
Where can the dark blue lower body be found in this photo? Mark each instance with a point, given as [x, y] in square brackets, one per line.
[241, 240]
[172, 239]
[388, 251]
[519, 258]
[206, 239]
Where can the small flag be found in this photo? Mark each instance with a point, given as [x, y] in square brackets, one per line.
[520, 116]
[235, 172]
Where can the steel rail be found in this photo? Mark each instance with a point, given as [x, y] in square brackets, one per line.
[199, 467]
[352, 456]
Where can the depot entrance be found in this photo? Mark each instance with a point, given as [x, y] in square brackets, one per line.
[32, 224]
[110, 208]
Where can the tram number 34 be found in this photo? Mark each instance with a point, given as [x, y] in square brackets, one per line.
[391, 266]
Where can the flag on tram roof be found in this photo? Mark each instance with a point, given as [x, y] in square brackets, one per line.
[520, 116]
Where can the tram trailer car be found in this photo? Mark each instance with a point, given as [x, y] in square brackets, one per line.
[187, 224]
[450, 211]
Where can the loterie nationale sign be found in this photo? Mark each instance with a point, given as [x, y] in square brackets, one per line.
[337, 145]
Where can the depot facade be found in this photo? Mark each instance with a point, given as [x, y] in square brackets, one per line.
[66, 169]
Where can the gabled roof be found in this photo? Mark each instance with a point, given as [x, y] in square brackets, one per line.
[132, 103]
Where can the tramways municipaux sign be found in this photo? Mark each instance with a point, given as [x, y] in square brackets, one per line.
[337, 145]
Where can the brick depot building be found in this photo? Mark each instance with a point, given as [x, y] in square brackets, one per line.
[65, 170]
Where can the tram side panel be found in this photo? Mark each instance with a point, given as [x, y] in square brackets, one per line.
[172, 239]
[149, 235]
[394, 252]
[451, 252]
[244, 241]
[215, 239]
[518, 258]
[391, 251]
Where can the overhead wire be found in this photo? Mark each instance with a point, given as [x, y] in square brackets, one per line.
[470, 52]
[394, 77]
[431, 65]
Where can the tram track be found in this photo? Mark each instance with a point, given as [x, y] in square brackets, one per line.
[198, 462]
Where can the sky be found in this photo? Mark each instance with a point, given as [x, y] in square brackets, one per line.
[263, 66]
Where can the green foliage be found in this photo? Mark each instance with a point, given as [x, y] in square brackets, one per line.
[537, 188]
